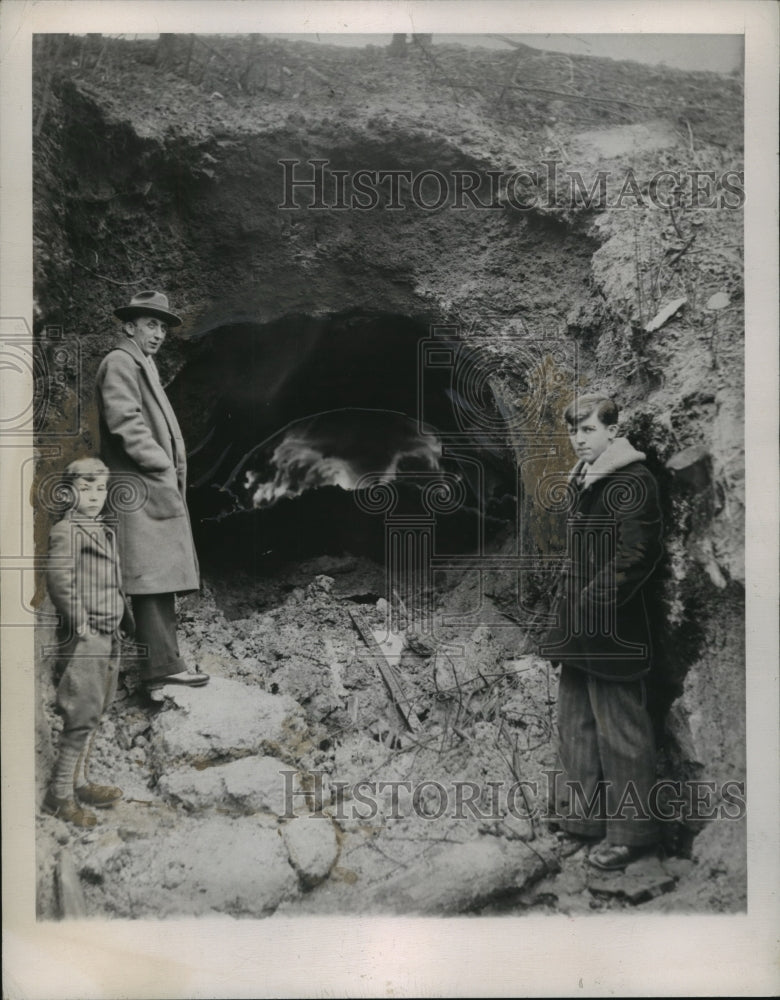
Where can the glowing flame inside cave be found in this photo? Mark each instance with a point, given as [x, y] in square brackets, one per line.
[333, 449]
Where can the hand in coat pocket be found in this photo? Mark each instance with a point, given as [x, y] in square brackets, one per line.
[164, 500]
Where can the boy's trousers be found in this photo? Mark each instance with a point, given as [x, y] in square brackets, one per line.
[87, 685]
[605, 736]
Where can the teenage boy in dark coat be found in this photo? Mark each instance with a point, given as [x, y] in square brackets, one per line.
[602, 640]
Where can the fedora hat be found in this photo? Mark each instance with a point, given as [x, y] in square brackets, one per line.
[148, 304]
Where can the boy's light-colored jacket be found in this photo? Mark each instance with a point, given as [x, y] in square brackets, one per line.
[83, 575]
[140, 438]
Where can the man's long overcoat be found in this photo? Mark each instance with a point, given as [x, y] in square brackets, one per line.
[140, 439]
[615, 542]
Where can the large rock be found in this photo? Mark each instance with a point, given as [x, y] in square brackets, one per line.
[707, 721]
[224, 721]
[460, 878]
[692, 467]
[312, 845]
[623, 141]
[210, 865]
[640, 882]
[250, 785]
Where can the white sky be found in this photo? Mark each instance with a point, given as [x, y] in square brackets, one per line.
[718, 53]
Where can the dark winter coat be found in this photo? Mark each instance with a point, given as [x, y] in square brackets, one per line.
[83, 575]
[141, 439]
[614, 543]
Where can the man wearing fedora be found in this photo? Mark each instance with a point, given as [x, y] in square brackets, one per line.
[141, 439]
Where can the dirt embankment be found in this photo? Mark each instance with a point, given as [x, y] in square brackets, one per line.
[159, 166]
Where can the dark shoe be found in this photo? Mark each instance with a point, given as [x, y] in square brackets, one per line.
[613, 857]
[68, 810]
[99, 796]
[185, 677]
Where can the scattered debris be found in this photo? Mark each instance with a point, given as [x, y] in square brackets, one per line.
[386, 668]
[717, 301]
[665, 314]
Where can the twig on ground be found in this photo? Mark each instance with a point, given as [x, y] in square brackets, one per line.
[128, 247]
[638, 273]
[584, 97]
[438, 69]
[104, 277]
[690, 136]
[387, 671]
[677, 229]
[678, 254]
[220, 55]
[512, 74]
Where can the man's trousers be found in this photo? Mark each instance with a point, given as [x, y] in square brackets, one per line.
[87, 685]
[155, 629]
[606, 751]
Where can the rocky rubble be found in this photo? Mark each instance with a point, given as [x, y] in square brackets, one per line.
[244, 802]
[233, 722]
[250, 785]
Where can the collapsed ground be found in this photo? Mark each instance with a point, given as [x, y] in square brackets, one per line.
[157, 165]
[215, 819]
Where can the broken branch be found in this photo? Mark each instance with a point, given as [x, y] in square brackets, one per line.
[584, 97]
[388, 672]
[106, 278]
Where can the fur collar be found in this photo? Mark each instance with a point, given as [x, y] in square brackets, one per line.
[619, 454]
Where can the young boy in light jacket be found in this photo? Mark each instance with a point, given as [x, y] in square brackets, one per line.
[84, 582]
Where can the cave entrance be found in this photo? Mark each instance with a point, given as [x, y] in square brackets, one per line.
[309, 435]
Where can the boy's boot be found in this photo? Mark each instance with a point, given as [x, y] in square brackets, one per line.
[99, 796]
[59, 799]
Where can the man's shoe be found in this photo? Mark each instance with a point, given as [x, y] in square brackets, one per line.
[99, 796]
[68, 810]
[614, 857]
[185, 677]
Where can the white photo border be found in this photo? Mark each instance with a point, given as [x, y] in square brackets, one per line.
[729, 955]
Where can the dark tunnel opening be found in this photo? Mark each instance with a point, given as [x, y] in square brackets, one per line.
[290, 423]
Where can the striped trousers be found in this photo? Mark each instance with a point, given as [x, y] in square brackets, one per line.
[606, 753]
